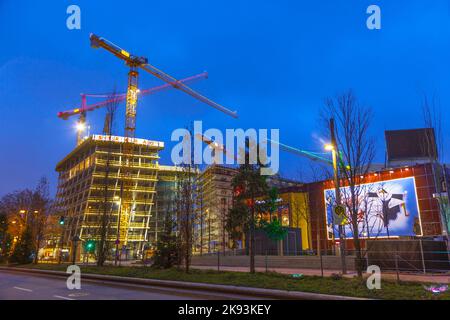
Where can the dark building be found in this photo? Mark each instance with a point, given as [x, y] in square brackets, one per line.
[409, 147]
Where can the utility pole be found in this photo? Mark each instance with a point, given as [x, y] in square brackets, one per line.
[335, 152]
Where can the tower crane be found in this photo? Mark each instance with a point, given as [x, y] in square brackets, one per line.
[84, 108]
[314, 156]
[134, 64]
[217, 147]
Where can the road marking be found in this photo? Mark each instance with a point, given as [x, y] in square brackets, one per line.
[81, 294]
[23, 289]
[61, 297]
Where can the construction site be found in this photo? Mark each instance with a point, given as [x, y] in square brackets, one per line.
[114, 192]
[218, 150]
[112, 189]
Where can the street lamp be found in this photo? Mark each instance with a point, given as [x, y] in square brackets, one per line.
[75, 240]
[80, 126]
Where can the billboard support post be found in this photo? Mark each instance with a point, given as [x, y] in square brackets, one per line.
[319, 249]
[396, 266]
[422, 256]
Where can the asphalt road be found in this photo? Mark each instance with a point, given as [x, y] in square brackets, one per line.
[28, 286]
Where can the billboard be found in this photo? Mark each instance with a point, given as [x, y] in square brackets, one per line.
[385, 209]
[411, 144]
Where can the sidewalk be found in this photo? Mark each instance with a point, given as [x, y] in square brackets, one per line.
[425, 278]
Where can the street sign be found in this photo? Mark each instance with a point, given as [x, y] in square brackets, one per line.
[339, 216]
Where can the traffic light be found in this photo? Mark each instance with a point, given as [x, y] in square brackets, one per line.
[61, 220]
[90, 245]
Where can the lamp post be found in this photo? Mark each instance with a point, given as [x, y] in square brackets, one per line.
[38, 224]
[23, 214]
[75, 240]
[334, 151]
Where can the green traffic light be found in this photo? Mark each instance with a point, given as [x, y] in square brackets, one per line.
[90, 245]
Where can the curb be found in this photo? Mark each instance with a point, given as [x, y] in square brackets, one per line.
[255, 292]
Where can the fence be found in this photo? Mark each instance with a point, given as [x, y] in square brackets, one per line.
[412, 256]
[392, 256]
[272, 260]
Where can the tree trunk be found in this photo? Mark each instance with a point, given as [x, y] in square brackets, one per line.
[310, 246]
[201, 226]
[187, 230]
[252, 239]
[357, 244]
[38, 242]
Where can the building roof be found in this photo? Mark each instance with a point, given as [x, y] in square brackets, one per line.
[98, 138]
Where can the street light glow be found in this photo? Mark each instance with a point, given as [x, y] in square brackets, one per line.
[80, 126]
[329, 147]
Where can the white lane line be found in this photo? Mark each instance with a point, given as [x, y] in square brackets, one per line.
[61, 297]
[23, 289]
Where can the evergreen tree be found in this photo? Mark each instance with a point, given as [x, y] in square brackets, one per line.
[166, 255]
[5, 238]
[24, 249]
[248, 184]
[273, 228]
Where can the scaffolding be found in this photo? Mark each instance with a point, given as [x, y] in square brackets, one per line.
[91, 181]
[216, 199]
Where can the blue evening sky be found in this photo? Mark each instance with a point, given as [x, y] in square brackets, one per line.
[273, 61]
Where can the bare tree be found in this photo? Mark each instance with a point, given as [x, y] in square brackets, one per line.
[186, 213]
[356, 151]
[186, 200]
[300, 206]
[42, 205]
[201, 218]
[432, 117]
[28, 211]
[105, 218]
[433, 147]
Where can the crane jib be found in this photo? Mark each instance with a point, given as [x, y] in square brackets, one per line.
[141, 62]
[120, 97]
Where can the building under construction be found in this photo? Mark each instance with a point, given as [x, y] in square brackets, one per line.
[214, 202]
[165, 204]
[91, 195]
[216, 199]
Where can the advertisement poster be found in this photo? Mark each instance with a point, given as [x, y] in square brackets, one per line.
[385, 209]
